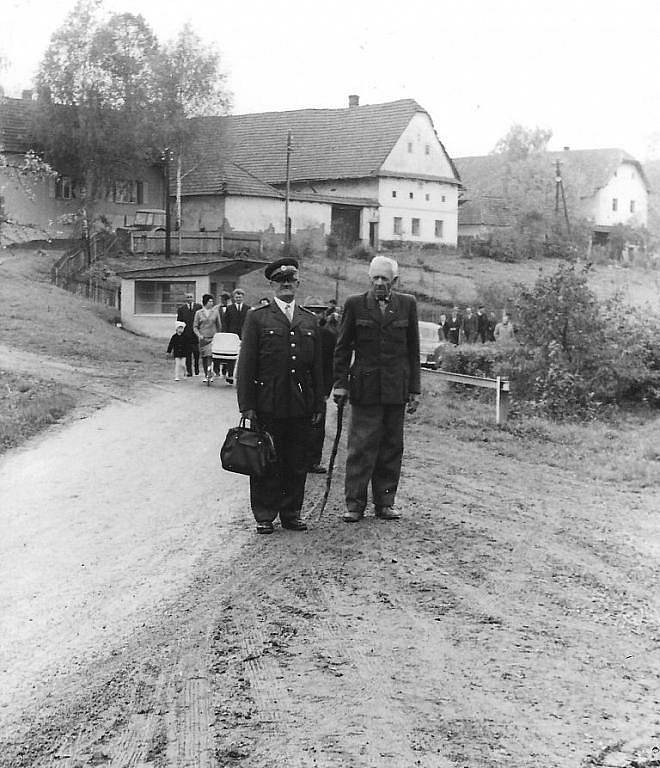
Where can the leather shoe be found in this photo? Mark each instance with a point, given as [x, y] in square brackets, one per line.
[294, 525]
[387, 513]
[352, 516]
[265, 528]
[317, 469]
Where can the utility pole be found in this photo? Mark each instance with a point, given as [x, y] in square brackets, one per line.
[287, 228]
[559, 189]
[166, 157]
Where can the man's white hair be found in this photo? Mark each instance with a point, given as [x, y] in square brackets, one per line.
[383, 265]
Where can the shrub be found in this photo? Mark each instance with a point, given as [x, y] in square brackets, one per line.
[577, 355]
[473, 359]
[362, 253]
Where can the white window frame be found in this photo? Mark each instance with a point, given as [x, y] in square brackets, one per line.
[415, 227]
[397, 225]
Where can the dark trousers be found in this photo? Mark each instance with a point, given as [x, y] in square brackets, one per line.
[316, 440]
[192, 353]
[375, 451]
[281, 492]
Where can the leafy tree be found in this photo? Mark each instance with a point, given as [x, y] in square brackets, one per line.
[190, 84]
[111, 98]
[520, 142]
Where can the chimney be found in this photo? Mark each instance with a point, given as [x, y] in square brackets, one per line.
[27, 94]
[354, 100]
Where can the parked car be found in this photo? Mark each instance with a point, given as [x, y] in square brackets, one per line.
[429, 341]
[147, 220]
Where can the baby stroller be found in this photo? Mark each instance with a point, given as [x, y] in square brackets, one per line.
[224, 349]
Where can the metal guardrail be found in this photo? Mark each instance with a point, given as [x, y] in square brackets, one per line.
[501, 385]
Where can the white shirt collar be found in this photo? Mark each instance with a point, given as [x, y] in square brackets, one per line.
[281, 304]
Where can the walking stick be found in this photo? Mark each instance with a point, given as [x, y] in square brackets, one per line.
[333, 455]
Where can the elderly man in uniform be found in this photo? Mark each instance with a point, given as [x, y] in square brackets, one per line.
[380, 335]
[280, 387]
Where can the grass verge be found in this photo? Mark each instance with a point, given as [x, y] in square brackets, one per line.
[29, 406]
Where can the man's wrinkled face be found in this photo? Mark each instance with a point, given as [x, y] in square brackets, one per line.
[382, 286]
[285, 289]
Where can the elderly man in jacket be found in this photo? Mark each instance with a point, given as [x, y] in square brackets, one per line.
[280, 387]
[377, 367]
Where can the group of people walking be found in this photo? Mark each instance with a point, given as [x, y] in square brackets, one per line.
[291, 361]
[196, 325]
[474, 327]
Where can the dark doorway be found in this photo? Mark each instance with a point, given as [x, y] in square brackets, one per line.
[373, 234]
[345, 224]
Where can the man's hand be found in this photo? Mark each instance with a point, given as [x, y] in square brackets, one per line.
[340, 396]
[413, 402]
[250, 415]
[316, 419]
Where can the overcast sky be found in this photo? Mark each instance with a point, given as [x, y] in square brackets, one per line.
[589, 70]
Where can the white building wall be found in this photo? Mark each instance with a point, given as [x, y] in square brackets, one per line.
[157, 326]
[33, 203]
[427, 201]
[419, 151]
[625, 186]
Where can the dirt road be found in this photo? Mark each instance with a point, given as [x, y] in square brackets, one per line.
[510, 619]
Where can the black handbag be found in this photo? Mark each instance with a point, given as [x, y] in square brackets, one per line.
[248, 451]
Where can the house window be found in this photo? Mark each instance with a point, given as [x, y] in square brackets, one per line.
[615, 204]
[394, 193]
[438, 227]
[410, 146]
[632, 206]
[64, 188]
[154, 297]
[427, 197]
[414, 227]
[397, 225]
[126, 191]
[411, 195]
[443, 199]
[427, 149]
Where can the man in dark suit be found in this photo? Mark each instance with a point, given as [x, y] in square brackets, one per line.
[328, 341]
[380, 335]
[233, 319]
[280, 387]
[186, 314]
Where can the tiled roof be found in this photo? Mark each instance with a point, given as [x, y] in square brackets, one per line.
[181, 268]
[348, 143]
[588, 169]
[15, 118]
[214, 175]
[485, 211]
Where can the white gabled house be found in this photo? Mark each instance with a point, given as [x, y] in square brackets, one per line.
[608, 185]
[366, 174]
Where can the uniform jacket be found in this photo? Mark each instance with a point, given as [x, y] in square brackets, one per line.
[187, 315]
[280, 366]
[328, 341]
[233, 320]
[385, 368]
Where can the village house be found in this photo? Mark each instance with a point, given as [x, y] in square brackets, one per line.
[609, 187]
[50, 207]
[367, 174]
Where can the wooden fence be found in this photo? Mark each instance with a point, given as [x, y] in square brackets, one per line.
[501, 385]
[65, 273]
[196, 243]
